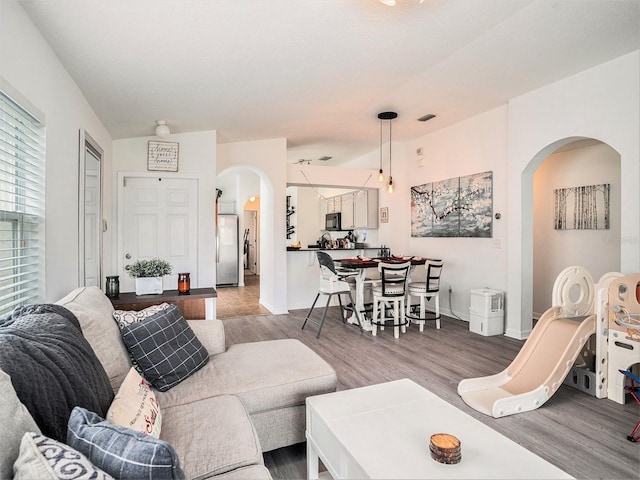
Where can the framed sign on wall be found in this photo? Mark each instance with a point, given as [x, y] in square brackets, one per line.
[384, 215]
[163, 156]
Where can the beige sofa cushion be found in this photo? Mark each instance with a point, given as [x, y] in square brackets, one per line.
[15, 421]
[265, 375]
[211, 436]
[254, 472]
[95, 314]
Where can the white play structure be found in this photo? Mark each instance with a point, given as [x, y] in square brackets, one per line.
[561, 349]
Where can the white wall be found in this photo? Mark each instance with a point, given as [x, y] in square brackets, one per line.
[29, 65]
[554, 250]
[475, 145]
[601, 103]
[472, 146]
[267, 159]
[197, 160]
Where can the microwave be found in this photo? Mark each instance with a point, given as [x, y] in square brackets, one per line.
[333, 222]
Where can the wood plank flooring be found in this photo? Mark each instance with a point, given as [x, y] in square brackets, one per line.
[582, 435]
[240, 301]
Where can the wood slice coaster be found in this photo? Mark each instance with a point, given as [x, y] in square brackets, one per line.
[445, 448]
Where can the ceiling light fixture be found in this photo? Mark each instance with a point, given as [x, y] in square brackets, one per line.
[386, 116]
[162, 130]
[393, 3]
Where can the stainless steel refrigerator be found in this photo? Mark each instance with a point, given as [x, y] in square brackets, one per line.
[227, 250]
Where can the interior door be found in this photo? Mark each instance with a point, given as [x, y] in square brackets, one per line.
[92, 230]
[159, 219]
[253, 243]
[90, 216]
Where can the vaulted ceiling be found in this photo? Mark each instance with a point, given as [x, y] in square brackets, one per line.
[319, 71]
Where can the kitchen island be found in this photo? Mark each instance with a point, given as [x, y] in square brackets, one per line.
[303, 272]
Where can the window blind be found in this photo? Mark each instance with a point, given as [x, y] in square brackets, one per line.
[22, 145]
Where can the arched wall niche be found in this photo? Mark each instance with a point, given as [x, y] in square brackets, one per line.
[527, 224]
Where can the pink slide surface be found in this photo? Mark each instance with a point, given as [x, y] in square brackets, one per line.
[537, 371]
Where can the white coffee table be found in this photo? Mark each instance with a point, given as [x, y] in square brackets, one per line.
[382, 431]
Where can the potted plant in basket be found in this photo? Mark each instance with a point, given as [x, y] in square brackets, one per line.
[148, 275]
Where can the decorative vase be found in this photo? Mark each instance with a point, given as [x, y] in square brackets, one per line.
[184, 283]
[113, 286]
[148, 285]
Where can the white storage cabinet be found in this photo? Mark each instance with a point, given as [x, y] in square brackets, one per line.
[486, 313]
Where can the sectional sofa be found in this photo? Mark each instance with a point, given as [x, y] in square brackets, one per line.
[247, 399]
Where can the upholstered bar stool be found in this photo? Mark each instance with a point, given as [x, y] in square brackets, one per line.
[332, 282]
[391, 289]
[425, 291]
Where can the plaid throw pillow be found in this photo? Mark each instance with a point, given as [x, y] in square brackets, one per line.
[119, 451]
[165, 347]
[125, 318]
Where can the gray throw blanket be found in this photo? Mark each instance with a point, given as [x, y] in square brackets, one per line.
[52, 366]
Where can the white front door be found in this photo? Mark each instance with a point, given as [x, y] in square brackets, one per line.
[159, 219]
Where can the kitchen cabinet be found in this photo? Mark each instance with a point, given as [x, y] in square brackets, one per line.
[348, 204]
[365, 210]
[324, 209]
[334, 205]
[359, 209]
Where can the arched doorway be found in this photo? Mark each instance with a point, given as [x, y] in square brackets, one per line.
[521, 242]
[243, 185]
[576, 169]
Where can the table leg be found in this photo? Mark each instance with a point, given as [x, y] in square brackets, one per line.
[366, 323]
[312, 462]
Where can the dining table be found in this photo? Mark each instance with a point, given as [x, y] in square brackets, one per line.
[360, 265]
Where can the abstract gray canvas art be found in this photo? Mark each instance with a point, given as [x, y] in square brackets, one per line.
[582, 208]
[456, 207]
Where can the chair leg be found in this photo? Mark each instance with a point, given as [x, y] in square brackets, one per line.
[396, 320]
[310, 310]
[356, 312]
[341, 308]
[437, 302]
[403, 318]
[374, 322]
[324, 314]
[423, 312]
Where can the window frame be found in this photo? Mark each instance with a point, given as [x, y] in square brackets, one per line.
[26, 276]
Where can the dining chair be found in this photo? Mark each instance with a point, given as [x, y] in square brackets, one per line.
[391, 289]
[333, 281]
[426, 291]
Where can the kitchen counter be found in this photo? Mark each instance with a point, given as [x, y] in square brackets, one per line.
[332, 249]
[303, 272]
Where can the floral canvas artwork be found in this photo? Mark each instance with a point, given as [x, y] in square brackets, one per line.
[456, 207]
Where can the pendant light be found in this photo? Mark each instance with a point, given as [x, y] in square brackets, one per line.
[380, 174]
[386, 116]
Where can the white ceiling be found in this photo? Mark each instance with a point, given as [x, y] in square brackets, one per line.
[318, 71]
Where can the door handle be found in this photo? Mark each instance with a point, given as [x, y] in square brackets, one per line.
[127, 256]
[127, 267]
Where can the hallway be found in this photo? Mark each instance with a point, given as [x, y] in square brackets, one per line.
[240, 301]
